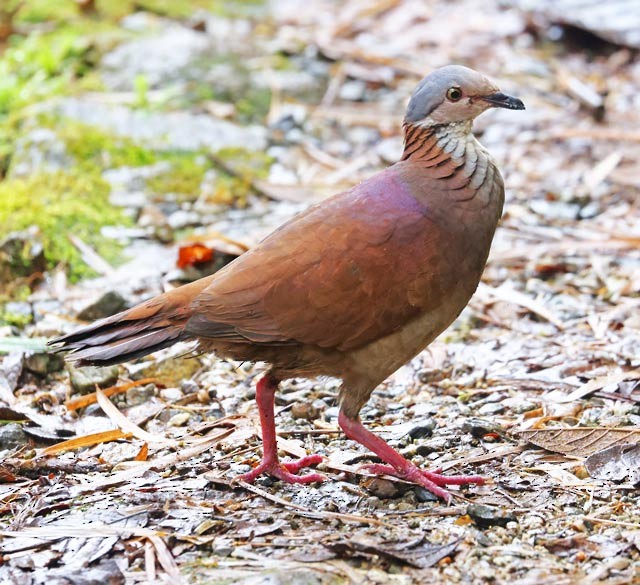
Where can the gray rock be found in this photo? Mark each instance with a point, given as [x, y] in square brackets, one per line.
[136, 199]
[479, 428]
[21, 254]
[424, 495]
[140, 394]
[184, 218]
[44, 363]
[491, 408]
[423, 430]
[485, 516]
[162, 58]
[166, 130]
[108, 304]
[142, 22]
[389, 149]
[171, 394]
[289, 81]
[10, 371]
[39, 150]
[353, 90]
[12, 436]
[84, 380]
[134, 178]
[21, 309]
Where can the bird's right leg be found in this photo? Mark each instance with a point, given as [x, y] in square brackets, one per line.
[397, 464]
[270, 464]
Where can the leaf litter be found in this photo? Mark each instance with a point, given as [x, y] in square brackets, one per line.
[535, 386]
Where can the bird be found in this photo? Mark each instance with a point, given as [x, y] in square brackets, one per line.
[351, 288]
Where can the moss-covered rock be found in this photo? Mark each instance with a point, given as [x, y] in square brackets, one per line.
[61, 203]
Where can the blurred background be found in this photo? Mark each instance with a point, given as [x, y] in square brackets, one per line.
[129, 130]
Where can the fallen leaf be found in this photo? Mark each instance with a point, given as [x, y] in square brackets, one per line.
[418, 554]
[616, 463]
[579, 441]
[88, 399]
[126, 425]
[85, 441]
[193, 254]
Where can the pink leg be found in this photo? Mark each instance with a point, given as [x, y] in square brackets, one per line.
[265, 391]
[398, 465]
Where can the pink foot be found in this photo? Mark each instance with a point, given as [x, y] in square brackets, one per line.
[270, 464]
[398, 466]
[430, 480]
[286, 471]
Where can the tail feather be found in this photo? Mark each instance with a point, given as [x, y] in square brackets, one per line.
[129, 348]
[148, 327]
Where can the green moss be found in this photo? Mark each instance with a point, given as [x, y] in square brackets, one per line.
[40, 66]
[183, 178]
[59, 204]
[95, 149]
[248, 164]
[61, 10]
[14, 319]
[240, 169]
[254, 105]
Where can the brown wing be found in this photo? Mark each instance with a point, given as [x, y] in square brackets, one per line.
[344, 273]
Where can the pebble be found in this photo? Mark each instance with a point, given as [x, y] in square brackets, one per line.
[44, 363]
[423, 430]
[12, 436]
[384, 488]
[171, 394]
[108, 304]
[491, 408]
[140, 394]
[424, 495]
[85, 379]
[304, 410]
[485, 516]
[179, 420]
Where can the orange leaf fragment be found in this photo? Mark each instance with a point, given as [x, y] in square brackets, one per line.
[193, 254]
[88, 399]
[85, 441]
[143, 454]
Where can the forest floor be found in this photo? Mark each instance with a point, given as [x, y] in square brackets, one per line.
[139, 150]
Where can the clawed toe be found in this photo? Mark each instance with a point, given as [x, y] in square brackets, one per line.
[431, 480]
[286, 471]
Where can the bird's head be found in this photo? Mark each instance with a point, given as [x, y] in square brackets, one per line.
[455, 94]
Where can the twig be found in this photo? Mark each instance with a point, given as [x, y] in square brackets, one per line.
[305, 512]
[612, 522]
[91, 257]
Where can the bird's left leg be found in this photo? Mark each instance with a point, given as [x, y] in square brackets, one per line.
[270, 464]
[399, 466]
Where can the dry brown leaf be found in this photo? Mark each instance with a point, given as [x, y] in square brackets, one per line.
[579, 441]
[166, 560]
[616, 463]
[126, 425]
[510, 295]
[85, 441]
[88, 399]
[594, 385]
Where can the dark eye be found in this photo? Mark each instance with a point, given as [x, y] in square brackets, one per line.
[454, 94]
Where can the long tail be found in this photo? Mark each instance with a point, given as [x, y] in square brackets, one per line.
[141, 330]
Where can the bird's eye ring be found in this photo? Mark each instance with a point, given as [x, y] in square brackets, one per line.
[454, 94]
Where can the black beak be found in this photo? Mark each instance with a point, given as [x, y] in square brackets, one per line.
[502, 100]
